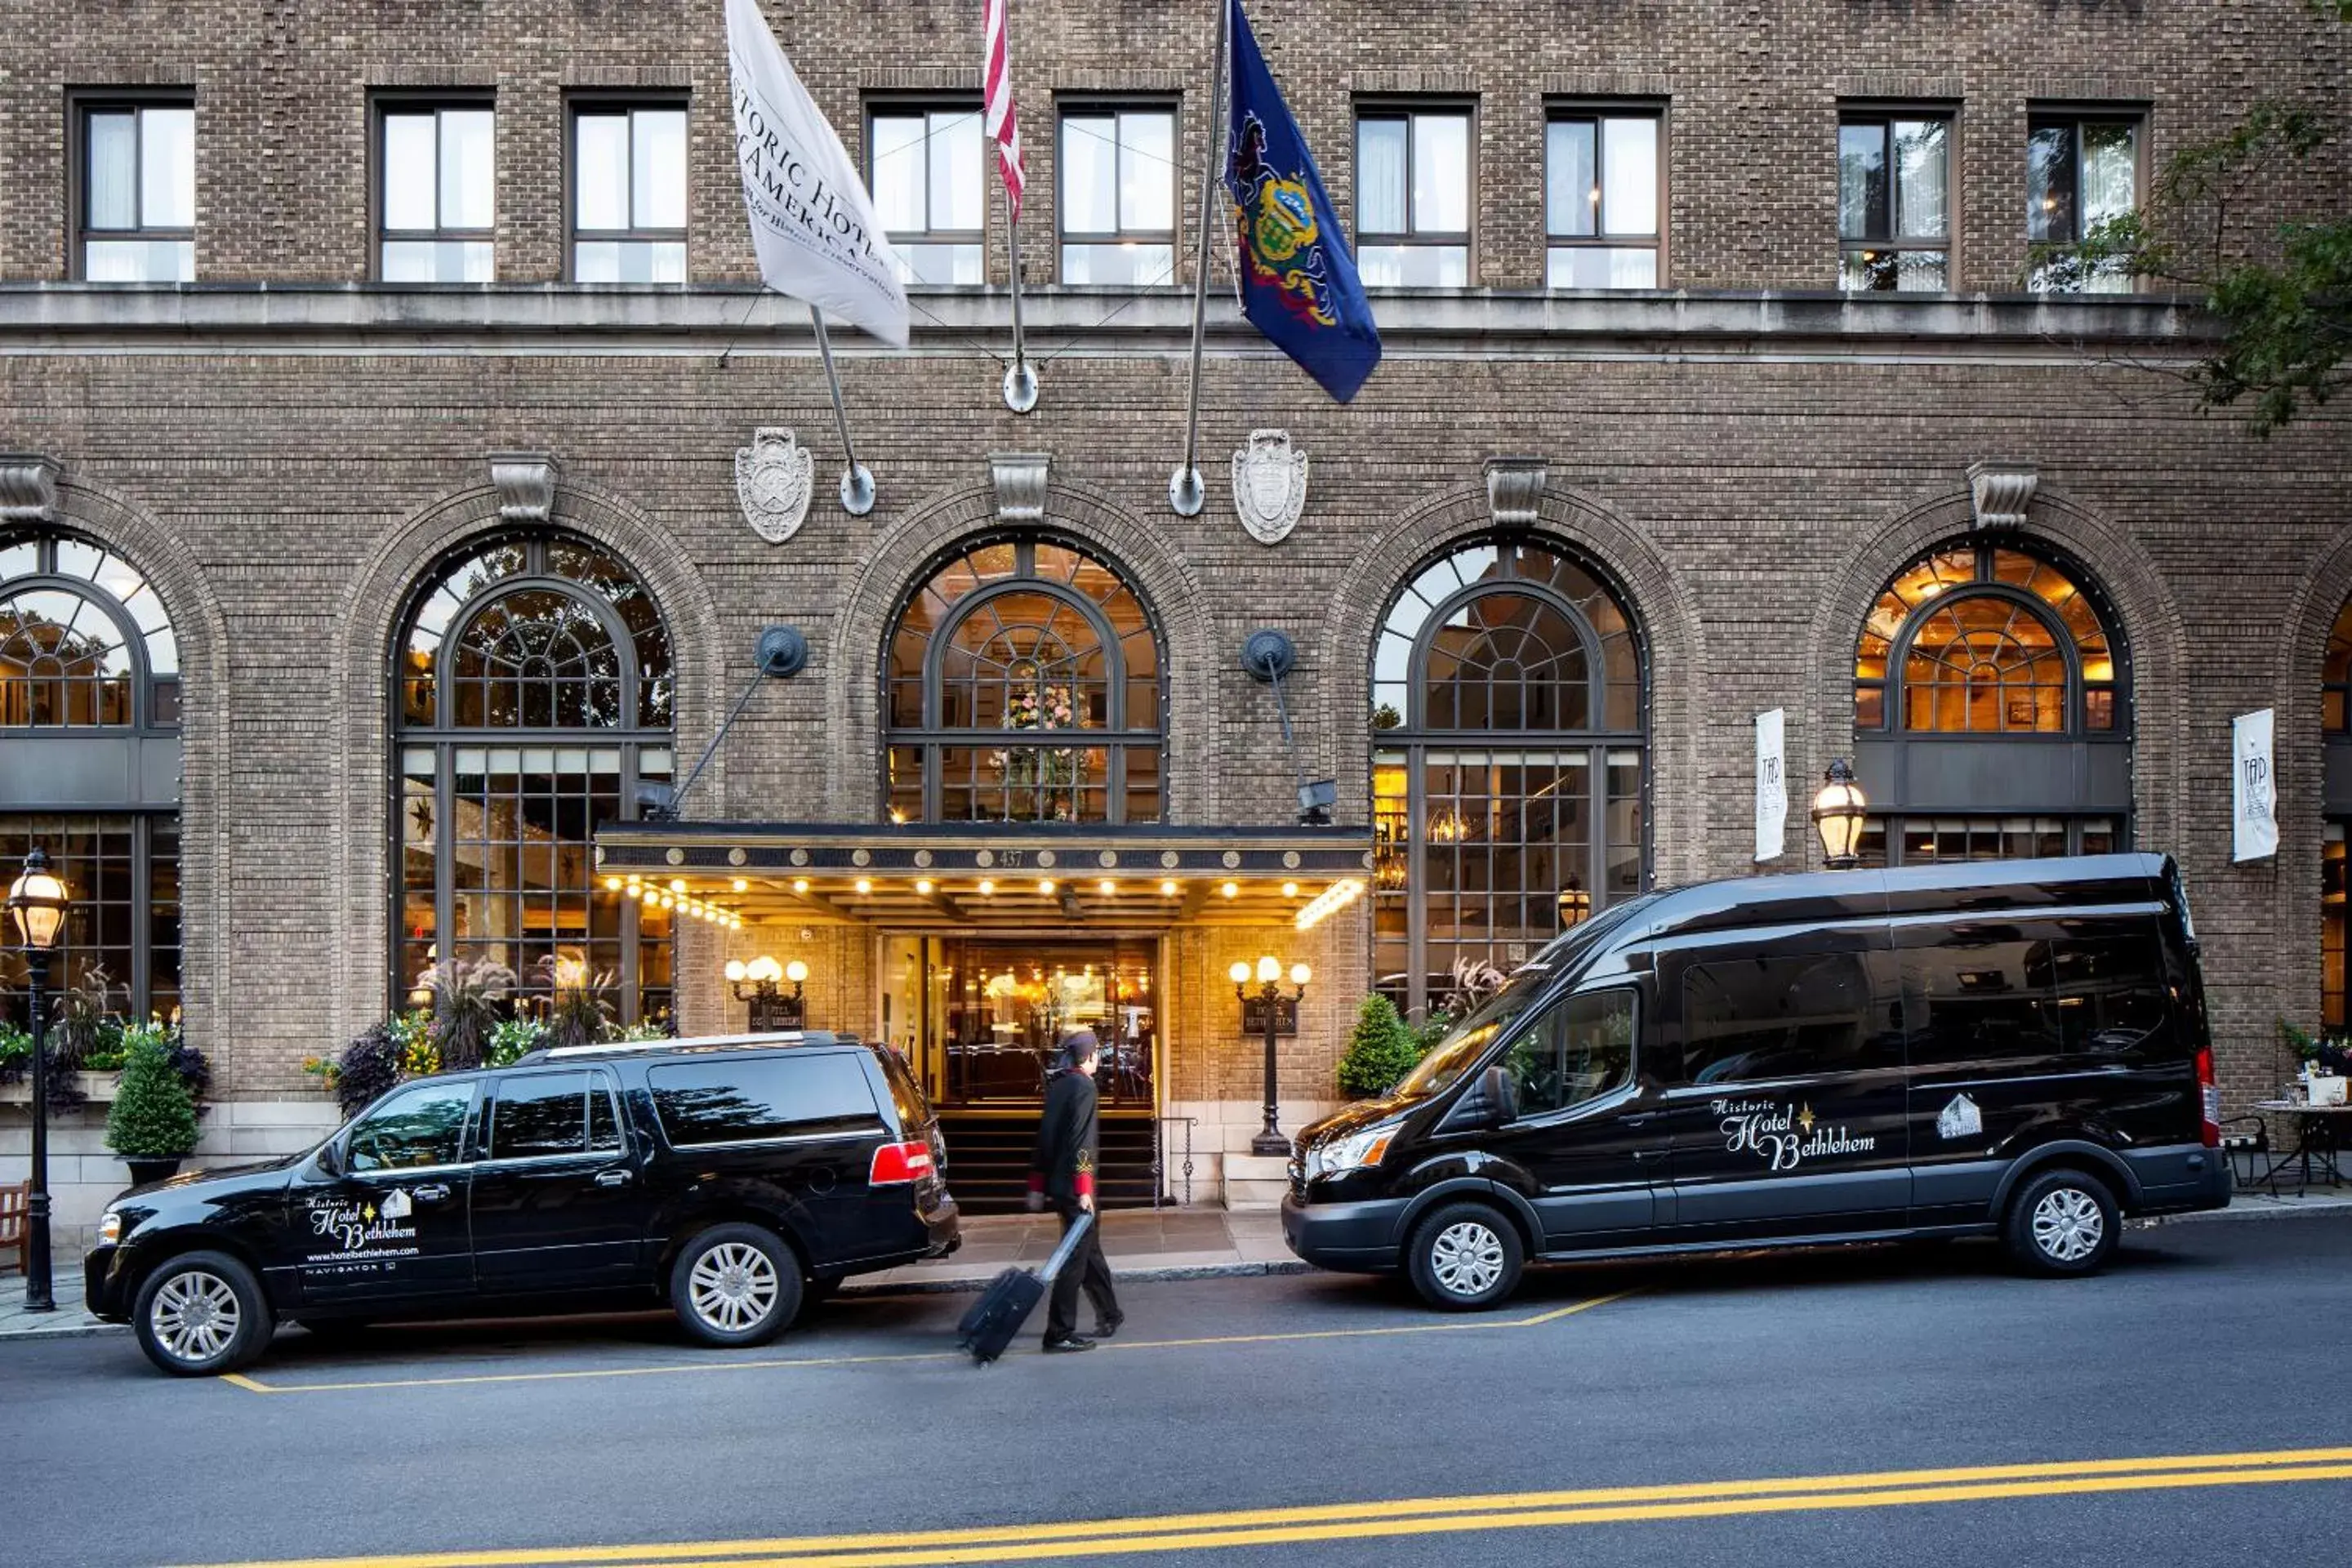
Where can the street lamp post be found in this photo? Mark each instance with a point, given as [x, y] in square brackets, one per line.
[1269, 1140]
[37, 906]
[770, 1009]
[1840, 811]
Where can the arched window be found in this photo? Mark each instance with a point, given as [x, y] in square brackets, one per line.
[1509, 764]
[533, 696]
[1022, 685]
[1979, 644]
[90, 763]
[2335, 682]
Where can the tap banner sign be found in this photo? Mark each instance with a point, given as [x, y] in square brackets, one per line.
[812, 222]
[1771, 786]
[2254, 788]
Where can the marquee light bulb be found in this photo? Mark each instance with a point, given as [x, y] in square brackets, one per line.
[800, 884]
[1106, 887]
[865, 886]
[1290, 890]
[986, 887]
[741, 886]
[923, 886]
[678, 884]
[1168, 889]
[1045, 886]
[1231, 889]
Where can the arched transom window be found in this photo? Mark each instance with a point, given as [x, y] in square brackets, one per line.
[533, 696]
[1984, 640]
[1509, 763]
[1022, 685]
[2336, 689]
[89, 766]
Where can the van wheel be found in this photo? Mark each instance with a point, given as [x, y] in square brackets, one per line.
[202, 1314]
[1464, 1258]
[735, 1284]
[2061, 1223]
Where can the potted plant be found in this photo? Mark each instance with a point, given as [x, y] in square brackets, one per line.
[1381, 1050]
[151, 1125]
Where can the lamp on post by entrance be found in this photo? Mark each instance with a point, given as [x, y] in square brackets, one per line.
[1273, 1005]
[1840, 811]
[36, 909]
[770, 1009]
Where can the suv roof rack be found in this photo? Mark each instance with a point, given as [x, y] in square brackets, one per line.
[689, 1043]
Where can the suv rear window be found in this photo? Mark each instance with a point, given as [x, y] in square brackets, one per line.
[769, 1097]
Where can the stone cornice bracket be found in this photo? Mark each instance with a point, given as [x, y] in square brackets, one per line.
[1514, 489]
[2001, 492]
[28, 487]
[526, 484]
[1020, 481]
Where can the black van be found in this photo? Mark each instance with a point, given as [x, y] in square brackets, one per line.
[729, 1177]
[2017, 1049]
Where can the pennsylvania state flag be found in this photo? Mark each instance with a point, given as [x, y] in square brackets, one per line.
[1298, 278]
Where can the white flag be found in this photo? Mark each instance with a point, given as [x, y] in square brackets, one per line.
[2254, 788]
[813, 224]
[1771, 786]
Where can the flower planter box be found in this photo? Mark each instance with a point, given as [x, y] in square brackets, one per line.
[97, 1087]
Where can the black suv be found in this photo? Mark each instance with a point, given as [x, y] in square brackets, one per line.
[730, 1177]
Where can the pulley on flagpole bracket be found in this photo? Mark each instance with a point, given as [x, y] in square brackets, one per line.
[1186, 493]
[1021, 386]
[858, 490]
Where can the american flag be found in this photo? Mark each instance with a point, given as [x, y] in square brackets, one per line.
[1003, 124]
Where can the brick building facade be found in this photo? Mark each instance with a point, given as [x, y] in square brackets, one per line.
[1742, 461]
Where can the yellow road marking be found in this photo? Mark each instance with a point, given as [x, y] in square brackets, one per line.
[1452, 1325]
[1420, 1516]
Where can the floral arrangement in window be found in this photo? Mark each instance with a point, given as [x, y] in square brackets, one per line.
[1033, 704]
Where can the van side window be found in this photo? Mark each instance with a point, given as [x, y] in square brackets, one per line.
[541, 1115]
[2111, 995]
[1752, 1018]
[1579, 1050]
[769, 1096]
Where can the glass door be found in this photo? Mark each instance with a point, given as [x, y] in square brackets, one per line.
[984, 1016]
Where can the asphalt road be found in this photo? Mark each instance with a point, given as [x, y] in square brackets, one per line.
[1750, 1411]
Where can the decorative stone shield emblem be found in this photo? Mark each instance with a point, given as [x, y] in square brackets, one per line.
[773, 479]
[1269, 485]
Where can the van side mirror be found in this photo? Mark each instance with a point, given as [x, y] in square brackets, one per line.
[330, 1156]
[1493, 1101]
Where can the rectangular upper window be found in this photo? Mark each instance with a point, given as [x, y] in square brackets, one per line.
[628, 193]
[436, 207]
[738, 1101]
[1895, 203]
[930, 191]
[2081, 170]
[139, 192]
[1757, 1018]
[1117, 175]
[1601, 200]
[1413, 198]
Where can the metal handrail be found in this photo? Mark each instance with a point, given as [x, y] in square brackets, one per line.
[1159, 1159]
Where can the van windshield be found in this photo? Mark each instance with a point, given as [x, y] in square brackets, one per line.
[1467, 1041]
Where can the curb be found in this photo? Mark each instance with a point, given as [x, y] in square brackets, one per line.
[972, 1284]
[86, 1328]
[2247, 1211]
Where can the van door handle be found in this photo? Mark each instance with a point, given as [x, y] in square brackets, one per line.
[433, 1194]
[613, 1179]
[1638, 1119]
[1649, 1153]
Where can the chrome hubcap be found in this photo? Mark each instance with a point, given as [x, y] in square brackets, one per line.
[1467, 1258]
[2068, 1226]
[733, 1285]
[196, 1316]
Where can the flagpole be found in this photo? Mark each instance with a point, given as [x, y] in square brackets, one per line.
[1020, 376]
[856, 482]
[1186, 493]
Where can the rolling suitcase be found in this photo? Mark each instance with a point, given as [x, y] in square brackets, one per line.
[1010, 1297]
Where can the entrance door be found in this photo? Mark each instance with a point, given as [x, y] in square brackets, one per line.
[984, 1016]
[393, 1227]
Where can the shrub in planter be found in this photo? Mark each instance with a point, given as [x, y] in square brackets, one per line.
[16, 1053]
[153, 1122]
[1381, 1050]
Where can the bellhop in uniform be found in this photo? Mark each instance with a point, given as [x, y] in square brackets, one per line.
[1062, 1172]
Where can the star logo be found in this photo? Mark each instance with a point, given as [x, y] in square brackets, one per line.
[369, 1211]
[1805, 1117]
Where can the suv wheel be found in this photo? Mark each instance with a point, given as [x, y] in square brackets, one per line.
[202, 1314]
[2063, 1222]
[735, 1285]
[1464, 1256]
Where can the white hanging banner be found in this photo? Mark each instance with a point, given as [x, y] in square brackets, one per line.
[813, 225]
[1771, 786]
[2254, 788]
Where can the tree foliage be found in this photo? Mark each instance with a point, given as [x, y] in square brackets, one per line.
[1381, 1050]
[2280, 288]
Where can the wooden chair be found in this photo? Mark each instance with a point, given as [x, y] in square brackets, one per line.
[15, 1236]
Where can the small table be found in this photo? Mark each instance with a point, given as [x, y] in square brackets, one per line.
[2316, 1138]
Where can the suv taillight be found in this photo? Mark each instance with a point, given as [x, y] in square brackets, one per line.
[897, 1164]
[2210, 1097]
